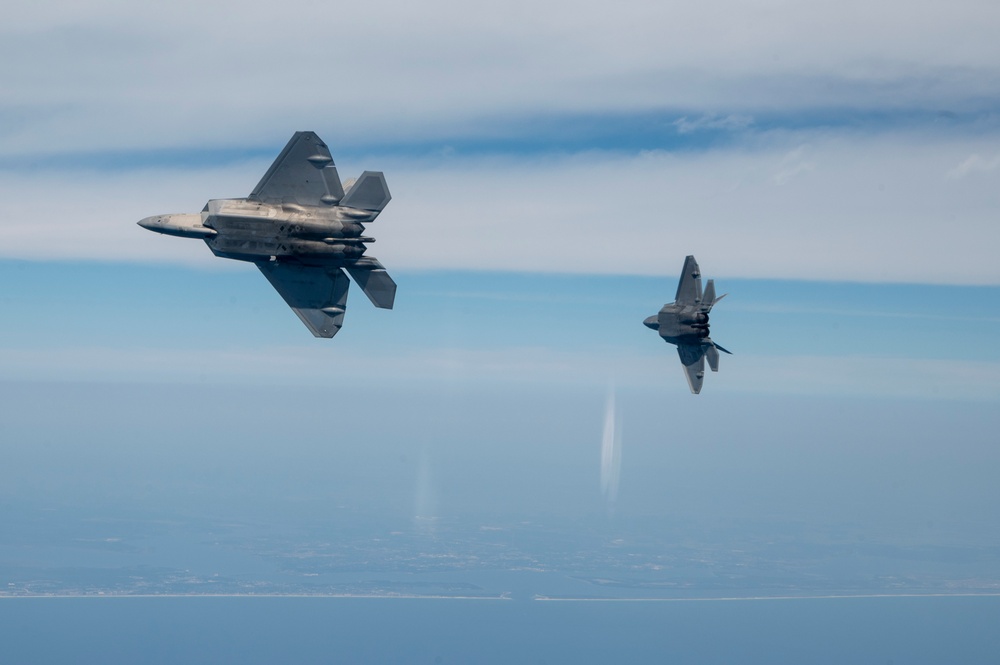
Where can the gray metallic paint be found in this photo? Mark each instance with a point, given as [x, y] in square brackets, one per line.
[301, 228]
[684, 323]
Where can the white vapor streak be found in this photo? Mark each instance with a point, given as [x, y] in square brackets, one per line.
[611, 453]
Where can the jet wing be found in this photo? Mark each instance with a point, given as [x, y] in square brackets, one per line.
[303, 173]
[689, 287]
[317, 294]
[693, 359]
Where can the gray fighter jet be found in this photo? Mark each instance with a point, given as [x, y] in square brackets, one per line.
[300, 226]
[684, 323]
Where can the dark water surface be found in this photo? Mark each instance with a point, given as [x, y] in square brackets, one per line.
[373, 630]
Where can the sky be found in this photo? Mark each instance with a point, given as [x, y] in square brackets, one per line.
[784, 140]
[834, 167]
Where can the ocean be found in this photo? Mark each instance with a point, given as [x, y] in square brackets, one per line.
[248, 630]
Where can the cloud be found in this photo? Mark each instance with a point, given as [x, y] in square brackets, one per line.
[712, 121]
[793, 164]
[538, 367]
[846, 207]
[889, 206]
[92, 215]
[864, 376]
[853, 208]
[974, 164]
[118, 75]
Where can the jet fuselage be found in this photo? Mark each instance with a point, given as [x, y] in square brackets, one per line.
[255, 231]
[685, 324]
[302, 228]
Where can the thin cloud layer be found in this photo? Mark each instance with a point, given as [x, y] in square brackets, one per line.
[874, 375]
[789, 198]
[117, 75]
[821, 207]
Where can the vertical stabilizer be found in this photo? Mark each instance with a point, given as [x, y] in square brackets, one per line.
[708, 297]
[369, 192]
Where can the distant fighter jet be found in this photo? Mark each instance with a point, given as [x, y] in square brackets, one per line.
[684, 323]
[299, 226]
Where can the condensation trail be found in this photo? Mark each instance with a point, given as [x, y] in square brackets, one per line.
[611, 452]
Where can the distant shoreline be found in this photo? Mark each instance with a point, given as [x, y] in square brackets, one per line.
[832, 596]
[507, 597]
[401, 596]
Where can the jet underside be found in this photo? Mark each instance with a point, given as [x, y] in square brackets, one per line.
[250, 231]
[685, 324]
[302, 228]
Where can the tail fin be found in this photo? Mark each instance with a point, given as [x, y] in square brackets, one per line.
[369, 192]
[708, 298]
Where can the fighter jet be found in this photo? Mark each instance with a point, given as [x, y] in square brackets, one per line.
[302, 228]
[684, 323]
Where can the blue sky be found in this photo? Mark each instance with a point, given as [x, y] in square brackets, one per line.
[835, 168]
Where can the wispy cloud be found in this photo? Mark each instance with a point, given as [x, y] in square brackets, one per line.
[794, 163]
[848, 207]
[870, 204]
[853, 375]
[974, 164]
[865, 376]
[712, 121]
[126, 75]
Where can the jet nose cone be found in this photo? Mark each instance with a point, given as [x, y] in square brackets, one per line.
[152, 223]
[652, 322]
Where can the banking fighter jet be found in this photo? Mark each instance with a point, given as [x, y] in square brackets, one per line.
[684, 323]
[302, 228]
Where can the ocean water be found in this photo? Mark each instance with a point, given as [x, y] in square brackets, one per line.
[914, 630]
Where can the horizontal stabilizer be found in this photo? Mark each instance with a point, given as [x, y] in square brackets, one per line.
[369, 192]
[713, 358]
[375, 282]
